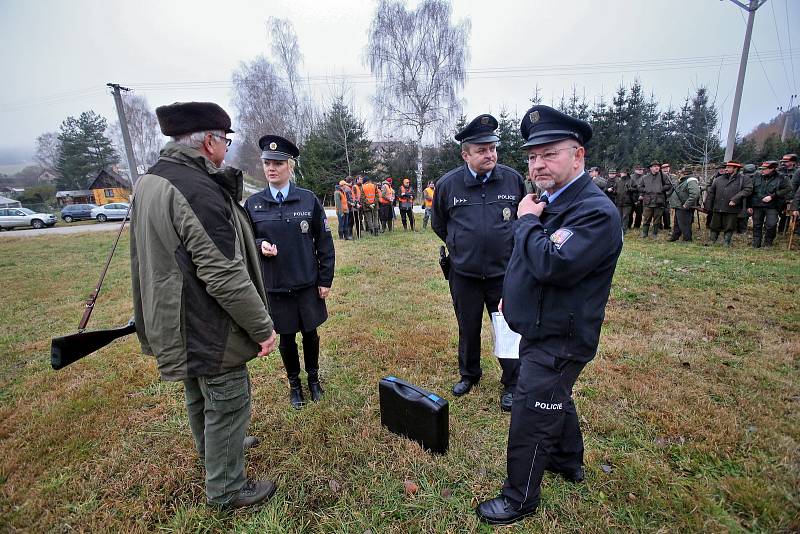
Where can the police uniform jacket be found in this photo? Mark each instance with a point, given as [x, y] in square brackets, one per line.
[475, 219]
[305, 257]
[559, 275]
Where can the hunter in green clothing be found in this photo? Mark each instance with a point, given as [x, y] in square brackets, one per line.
[725, 198]
[769, 190]
[199, 300]
[683, 200]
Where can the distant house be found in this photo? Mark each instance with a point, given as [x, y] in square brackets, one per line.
[47, 177]
[12, 192]
[9, 203]
[108, 187]
[64, 198]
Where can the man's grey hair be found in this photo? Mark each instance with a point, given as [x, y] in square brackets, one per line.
[195, 140]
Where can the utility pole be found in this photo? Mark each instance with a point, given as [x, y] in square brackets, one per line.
[737, 100]
[786, 118]
[133, 172]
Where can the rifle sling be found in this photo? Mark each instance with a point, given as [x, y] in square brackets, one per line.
[87, 312]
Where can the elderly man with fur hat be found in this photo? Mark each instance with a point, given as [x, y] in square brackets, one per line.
[199, 300]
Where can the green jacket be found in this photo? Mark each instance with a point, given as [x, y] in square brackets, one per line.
[686, 193]
[774, 185]
[198, 297]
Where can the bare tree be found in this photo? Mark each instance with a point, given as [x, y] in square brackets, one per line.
[419, 58]
[262, 105]
[143, 127]
[47, 148]
[288, 57]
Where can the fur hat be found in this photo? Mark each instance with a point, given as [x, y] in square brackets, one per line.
[183, 118]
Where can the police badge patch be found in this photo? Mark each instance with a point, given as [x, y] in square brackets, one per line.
[304, 226]
[560, 236]
[506, 214]
[273, 145]
[534, 116]
[327, 224]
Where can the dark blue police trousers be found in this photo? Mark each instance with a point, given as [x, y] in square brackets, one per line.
[470, 297]
[544, 433]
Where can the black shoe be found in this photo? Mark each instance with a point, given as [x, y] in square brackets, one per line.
[463, 387]
[254, 492]
[316, 390]
[506, 400]
[499, 511]
[251, 442]
[673, 238]
[576, 477]
[296, 393]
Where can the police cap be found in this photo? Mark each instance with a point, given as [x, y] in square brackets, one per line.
[612, 170]
[769, 165]
[276, 147]
[543, 124]
[480, 130]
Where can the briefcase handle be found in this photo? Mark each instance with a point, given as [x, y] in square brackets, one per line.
[402, 387]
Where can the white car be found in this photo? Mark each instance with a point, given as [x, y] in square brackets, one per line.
[115, 210]
[13, 217]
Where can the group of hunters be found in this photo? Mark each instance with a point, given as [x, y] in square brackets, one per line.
[215, 280]
[736, 194]
[362, 206]
[647, 201]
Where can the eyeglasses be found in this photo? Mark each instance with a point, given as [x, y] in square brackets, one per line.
[550, 155]
[223, 138]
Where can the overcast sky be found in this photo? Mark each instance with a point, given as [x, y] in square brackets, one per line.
[58, 55]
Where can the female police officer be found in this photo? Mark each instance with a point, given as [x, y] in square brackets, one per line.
[297, 261]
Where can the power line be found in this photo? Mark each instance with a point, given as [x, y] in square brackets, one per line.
[789, 35]
[764, 70]
[485, 73]
[780, 48]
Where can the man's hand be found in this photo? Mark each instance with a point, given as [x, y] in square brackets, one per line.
[268, 345]
[323, 291]
[500, 306]
[749, 211]
[268, 249]
[731, 203]
[767, 199]
[528, 205]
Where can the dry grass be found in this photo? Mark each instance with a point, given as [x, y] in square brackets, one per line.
[693, 400]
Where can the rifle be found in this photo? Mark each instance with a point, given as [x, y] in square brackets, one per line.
[65, 350]
[792, 226]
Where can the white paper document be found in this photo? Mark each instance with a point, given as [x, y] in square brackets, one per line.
[506, 341]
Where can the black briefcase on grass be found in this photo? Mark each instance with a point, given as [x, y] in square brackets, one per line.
[417, 414]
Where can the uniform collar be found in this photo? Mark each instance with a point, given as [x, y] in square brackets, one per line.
[471, 177]
[568, 194]
[289, 193]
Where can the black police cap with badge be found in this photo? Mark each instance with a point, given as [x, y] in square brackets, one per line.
[543, 124]
[480, 130]
[275, 147]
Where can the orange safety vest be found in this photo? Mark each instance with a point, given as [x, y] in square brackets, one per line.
[370, 192]
[406, 202]
[356, 193]
[429, 197]
[343, 200]
[387, 194]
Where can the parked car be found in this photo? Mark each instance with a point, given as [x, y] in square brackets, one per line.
[13, 217]
[77, 212]
[115, 210]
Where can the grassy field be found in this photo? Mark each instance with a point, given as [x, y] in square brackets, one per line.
[692, 401]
